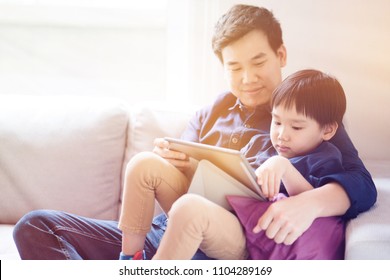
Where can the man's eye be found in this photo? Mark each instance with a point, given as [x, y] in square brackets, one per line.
[277, 123]
[297, 128]
[235, 69]
[260, 63]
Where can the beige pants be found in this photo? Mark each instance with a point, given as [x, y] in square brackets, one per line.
[148, 178]
[194, 222]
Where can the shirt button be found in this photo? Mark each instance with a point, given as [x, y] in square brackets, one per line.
[235, 140]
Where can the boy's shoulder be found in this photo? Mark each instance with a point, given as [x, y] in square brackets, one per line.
[328, 149]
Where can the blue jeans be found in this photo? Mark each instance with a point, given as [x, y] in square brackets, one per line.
[56, 235]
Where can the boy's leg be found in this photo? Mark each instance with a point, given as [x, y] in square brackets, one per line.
[148, 177]
[194, 222]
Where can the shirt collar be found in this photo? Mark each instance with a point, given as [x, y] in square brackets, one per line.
[238, 104]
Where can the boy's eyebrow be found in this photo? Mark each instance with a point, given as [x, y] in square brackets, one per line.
[293, 120]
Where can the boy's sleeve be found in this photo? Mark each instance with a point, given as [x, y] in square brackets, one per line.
[325, 160]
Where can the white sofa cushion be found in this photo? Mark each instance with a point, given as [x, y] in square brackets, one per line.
[8, 249]
[368, 236]
[63, 153]
[152, 121]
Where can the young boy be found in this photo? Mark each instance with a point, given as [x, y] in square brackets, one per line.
[307, 109]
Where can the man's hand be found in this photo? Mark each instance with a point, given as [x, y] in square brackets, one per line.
[179, 160]
[287, 219]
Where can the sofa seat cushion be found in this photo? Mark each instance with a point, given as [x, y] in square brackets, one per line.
[8, 249]
[63, 153]
[368, 235]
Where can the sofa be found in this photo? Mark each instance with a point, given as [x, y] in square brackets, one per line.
[69, 153]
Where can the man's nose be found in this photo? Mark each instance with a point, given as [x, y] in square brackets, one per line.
[249, 76]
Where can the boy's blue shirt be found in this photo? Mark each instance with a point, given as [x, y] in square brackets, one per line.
[227, 123]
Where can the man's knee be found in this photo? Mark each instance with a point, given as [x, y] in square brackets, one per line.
[143, 162]
[32, 223]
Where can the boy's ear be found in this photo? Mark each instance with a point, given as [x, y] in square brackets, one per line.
[330, 131]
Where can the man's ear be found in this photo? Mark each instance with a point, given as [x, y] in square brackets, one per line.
[282, 54]
[329, 131]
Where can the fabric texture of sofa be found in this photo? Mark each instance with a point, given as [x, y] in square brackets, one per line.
[69, 153]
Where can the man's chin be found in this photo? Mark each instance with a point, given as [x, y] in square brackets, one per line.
[250, 103]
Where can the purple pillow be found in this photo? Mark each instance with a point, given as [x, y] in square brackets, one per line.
[324, 240]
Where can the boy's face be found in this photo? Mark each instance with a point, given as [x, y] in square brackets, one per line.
[294, 134]
[252, 68]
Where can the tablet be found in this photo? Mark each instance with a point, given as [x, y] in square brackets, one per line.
[230, 161]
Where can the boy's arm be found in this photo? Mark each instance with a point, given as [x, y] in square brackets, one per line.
[300, 173]
[293, 180]
[279, 169]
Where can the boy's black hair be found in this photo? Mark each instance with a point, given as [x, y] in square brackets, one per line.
[313, 93]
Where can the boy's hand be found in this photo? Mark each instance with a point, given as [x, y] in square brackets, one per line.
[270, 174]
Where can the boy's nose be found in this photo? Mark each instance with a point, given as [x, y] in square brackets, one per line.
[282, 135]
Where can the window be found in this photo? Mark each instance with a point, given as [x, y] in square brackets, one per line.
[83, 47]
[150, 50]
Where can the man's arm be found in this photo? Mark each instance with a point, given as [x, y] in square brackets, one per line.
[287, 219]
[355, 180]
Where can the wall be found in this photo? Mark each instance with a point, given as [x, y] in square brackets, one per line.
[162, 52]
[351, 40]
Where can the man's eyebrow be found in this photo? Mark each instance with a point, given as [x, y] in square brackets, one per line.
[257, 56]
[232, 63]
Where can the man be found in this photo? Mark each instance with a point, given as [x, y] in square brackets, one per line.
[248, 41]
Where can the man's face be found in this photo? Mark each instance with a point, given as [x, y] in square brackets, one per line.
[252, 68]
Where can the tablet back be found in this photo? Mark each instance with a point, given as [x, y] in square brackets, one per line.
[214, 184]
[231, 161]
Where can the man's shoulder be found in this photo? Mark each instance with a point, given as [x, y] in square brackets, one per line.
[226, 96]
[223, 101]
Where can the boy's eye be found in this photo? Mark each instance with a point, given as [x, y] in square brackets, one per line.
[277, 123]
[297, 128]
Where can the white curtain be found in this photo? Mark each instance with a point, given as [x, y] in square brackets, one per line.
[194, 75]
